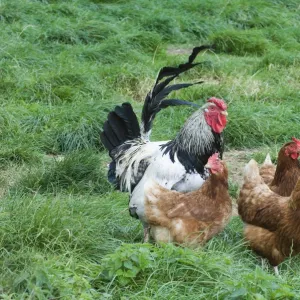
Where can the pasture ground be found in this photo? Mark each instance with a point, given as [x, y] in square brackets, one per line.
[64, 233]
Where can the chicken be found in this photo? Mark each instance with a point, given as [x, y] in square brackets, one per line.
[282, 179]
[193, 217]
[272, 221]
[177, 164]
[267, 170]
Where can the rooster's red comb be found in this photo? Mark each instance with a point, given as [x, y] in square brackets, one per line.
[218, 102]
[296, 141]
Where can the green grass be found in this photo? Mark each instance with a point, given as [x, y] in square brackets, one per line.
[64, 233]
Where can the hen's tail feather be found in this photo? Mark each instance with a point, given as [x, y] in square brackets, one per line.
[154, 101]
[121, 125]
[251, 171]
[268, 160]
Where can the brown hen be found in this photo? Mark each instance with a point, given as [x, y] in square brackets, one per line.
[282, 179]
[193, 217]
[273, 221]
[267, 170]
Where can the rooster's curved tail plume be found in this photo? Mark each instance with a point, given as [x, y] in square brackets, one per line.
[155, 99]
[122, 123]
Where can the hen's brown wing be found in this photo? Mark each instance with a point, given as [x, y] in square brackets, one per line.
[181, 210]
[267, 173]
[260, 206]
[287, 182]
[200, 208]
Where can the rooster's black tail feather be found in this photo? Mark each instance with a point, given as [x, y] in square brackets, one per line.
[120, 126]
[155, 99]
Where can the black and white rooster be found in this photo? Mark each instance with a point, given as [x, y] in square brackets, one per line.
[177, 164]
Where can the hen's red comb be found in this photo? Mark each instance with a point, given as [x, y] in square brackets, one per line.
[214, 157]
[219, 102]
[296, 141]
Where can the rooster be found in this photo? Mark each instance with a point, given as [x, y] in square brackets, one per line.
[193, 217]
[177, 164]
[282, 179]
[272, 221]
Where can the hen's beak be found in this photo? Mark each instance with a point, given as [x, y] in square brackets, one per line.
[208, 166]
[224, 112]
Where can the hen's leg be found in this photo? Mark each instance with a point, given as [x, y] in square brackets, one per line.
[276, 271]
[146, 233]
[262, 263]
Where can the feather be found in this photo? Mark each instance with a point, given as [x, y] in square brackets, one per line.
[175, 71]
[137, 159]
[122, 125]
[196, 50]
[165, 92]
[135, 127]
[129, 117]
[111, 175]
[105, 141]
[175, 102]
[268, 160]
[158, 87]
[153, 101]
[117, 125]
[110, 133]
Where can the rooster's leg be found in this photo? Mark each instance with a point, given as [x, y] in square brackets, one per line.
[276, 271]
[146, 233]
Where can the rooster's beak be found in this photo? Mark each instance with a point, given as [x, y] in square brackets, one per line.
[225, 113]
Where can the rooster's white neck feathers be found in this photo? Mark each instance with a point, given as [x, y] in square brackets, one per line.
[195, 136]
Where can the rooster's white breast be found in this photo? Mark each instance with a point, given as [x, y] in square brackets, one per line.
[169, 175]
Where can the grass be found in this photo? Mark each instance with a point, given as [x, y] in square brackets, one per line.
[64, 232]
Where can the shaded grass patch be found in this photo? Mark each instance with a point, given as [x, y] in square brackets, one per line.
[251, 125]
[79, 172]
[280, 58]
[240, 42]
